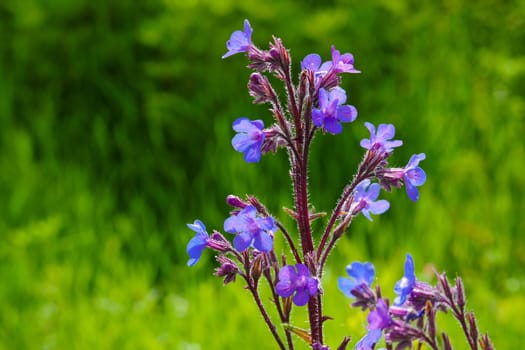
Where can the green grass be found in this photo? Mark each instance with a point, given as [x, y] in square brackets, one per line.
[115, 133]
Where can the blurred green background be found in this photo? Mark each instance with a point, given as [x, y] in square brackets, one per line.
[115, 132]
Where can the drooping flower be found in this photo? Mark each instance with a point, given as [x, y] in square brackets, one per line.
[381, 139]
[411, 175]
[414, 176]
[197, 244]
[239, 41]
[404, 286]
[365, 200]
[301, 283]
[332, 110]
[361, 274]
[250, 138]
[251, 230]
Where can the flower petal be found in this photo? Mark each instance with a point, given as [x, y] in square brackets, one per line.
[338, 94]
[253, 154]
[311, 62]
[242, 241]
[415, 159]
[378, 207]
[412, 191]
[263, 242]
[346, 113]
[345, 285]
[416, 176]
[301, 298]
[369, 341]
[333, 126]
[197, 226]
[317, 118]
[285, 288]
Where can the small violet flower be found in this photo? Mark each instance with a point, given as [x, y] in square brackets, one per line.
[381, 139]
[365, 200]
[343, 63]
[362, 274]
[404, 286]
[197, 244]
[414, 176]
[250, 138]
[239, 41]
[340, 63]
[251, 230]
[332, 112]
[299, 282]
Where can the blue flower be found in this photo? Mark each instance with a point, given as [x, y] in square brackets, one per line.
[404, 286]
[197, 244]
[365, 200]
[301, 283]
[251, 230]
[332, 112]
[381, 139]
[249, 139]
[362, 274]
[414, 176]
[239, 41]
[369, 341]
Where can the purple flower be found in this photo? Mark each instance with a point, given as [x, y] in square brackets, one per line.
[342, 63]
[249, 139]
[299, 282]
[197, 244]
[381, 139]
[369, 341]
[239, 41]
[251, 230]
[404, 286]
[362, 274]
[379, 318]
[414, 176]
[364, 200]
[332, 111]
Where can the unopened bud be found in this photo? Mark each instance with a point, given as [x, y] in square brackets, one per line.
[460, 293]
[260, 88]
[228, 269]
[236, 202]
[218, 243]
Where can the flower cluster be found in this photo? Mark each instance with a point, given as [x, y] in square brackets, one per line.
[412, 317]
[317, 105]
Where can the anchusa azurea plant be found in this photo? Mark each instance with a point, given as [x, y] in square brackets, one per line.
[317, 104]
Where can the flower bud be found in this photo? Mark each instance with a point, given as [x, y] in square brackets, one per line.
[460, 293]
[218, 243]
[260, 88]
[228, 269]
[236, 202]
